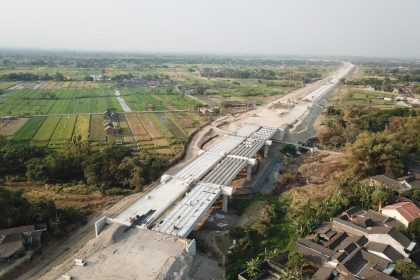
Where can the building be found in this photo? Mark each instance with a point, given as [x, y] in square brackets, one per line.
[14, 240]
[404, 212]
[359, 244]
[153, 84]
[238, 103]
[109, 129]
[383, 180]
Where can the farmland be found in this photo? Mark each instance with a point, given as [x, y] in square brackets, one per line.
[143, 99]
[55, 102]
[162, 132]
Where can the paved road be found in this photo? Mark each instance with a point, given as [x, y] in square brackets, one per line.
[123, 104]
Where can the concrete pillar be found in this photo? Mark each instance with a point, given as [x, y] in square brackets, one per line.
[265, 151]
[267, 144]
[225, 203]
[249, 172]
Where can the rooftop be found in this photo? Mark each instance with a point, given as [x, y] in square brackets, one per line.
[407, 209]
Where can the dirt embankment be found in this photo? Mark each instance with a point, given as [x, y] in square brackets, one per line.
[313, 177]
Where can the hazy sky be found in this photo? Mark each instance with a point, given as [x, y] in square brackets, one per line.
[282, 27]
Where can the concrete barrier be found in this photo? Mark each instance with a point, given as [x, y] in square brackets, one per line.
[99, 225]
[191, 248]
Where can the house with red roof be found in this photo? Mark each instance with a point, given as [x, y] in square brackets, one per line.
[405, 212]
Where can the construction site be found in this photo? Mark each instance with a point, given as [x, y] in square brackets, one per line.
[234, 155]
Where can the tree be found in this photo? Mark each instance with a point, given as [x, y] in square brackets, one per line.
[88, 78]
[252, 267]
[377, 153]
[59, 76]
[289, 149]
[414, 229]
[407, 269]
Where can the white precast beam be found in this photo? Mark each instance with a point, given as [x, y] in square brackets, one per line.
[177, 212]
[247, 130]
[249, 148]
[160, 199]
[188, 212]
[227, 144]
[265, 133]
[226, 171]
[199, 167]
[193, 221]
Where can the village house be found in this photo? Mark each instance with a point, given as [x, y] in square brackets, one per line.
[404, 212]
[14, 240]
[109, 129]
[382, 180]
[360, 244]
[153, 84]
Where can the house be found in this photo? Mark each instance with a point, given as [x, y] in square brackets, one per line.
[383, 180]
[357, 244]
[392, 237]
[14, 240]
[238, 103]
[405, 212]
[375, 227]
[109, 129]
[206, 111]
[384, 251]
[153, 84]
[11, 247]
[97, 78]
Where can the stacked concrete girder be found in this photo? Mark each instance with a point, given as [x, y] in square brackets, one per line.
[227, 144]
[226, 171]
[188, 212]
[199, 167]
[160, 199]
[247, 130]
[218, 166]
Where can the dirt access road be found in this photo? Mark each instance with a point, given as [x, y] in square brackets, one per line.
[75, 242]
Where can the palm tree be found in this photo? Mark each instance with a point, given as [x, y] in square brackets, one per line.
[252, 267]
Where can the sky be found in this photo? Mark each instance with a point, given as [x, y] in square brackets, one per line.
[379, 28]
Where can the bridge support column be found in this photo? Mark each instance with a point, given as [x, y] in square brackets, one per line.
[265, 151]
[249, 172]
[267, 144]
[225, 203]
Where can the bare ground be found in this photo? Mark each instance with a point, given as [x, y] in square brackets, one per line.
[9, 127]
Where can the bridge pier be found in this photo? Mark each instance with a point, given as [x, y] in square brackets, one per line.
[267, 145]
[249, 172]
[225, 203]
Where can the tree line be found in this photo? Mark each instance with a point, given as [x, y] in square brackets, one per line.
[112, 167]
[378, 141]
[33, 77]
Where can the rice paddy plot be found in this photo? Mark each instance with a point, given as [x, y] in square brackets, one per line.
[170, 125]
[64, 129]
[6, 85]
[81, 127]
[163, 129]
[137, 127]
[149, 125]
[96, 132]
[28, 130]
[47, 129]
[9, 127]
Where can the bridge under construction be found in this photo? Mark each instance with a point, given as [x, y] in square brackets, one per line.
[181, 200]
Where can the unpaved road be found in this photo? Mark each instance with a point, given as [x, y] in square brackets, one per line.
[75, 242]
